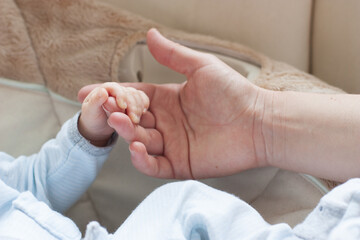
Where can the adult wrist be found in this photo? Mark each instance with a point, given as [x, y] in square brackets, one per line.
[274, 127]
[268, 127]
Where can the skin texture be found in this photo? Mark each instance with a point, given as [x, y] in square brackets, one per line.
[103, 100]
[192, 129]
[317, 134]
[217, 123]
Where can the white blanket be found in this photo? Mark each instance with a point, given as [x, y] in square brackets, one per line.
[191, 210]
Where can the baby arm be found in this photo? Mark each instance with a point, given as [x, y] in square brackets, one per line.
[66, 166]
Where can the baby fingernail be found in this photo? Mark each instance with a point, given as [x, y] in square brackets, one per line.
[134, 118]
[106, 111]
[99, 93]
[123, 105]
[132, 152]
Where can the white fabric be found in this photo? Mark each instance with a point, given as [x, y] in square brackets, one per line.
[55, 177]
[194, 211]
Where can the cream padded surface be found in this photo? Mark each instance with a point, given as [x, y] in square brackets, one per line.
[37, 115]
[27, 118]
[336, 48]
[279, 28]
[139, 65]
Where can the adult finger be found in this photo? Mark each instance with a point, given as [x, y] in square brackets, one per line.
[175, 56]
[130, 132]
[154, 166]
[110, 106]
[147, 120]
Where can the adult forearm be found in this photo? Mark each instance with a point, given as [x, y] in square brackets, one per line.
[311, 133]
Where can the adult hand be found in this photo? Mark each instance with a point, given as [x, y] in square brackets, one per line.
[209, 126]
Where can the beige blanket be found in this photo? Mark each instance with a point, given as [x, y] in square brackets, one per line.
[66, 44]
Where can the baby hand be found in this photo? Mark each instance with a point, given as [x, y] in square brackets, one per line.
[104, 100]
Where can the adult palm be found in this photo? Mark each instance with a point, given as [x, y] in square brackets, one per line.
[205, 127]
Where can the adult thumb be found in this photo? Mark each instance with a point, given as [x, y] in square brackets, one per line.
[173, 55]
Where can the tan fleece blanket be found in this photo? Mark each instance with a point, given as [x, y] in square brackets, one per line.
[70, 43]
[66, 44]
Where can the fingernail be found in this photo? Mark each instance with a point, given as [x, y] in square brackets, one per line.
[134, 118]
[99, 93]
[132, 152]
[107, 112]
[123, 105]
[109, 123]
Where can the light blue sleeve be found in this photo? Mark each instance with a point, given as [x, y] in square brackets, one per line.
[61, 172]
